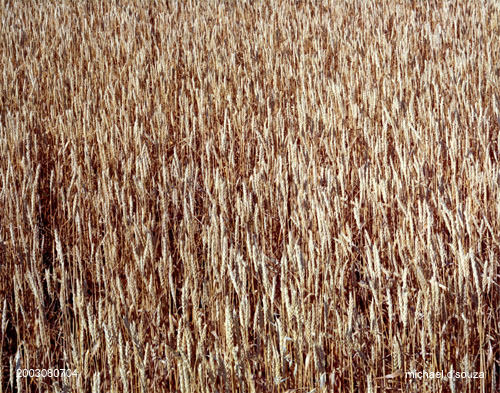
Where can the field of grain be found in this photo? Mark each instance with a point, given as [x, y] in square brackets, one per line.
[250, 196]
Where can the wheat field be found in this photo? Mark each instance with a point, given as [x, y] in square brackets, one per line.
[250, 196]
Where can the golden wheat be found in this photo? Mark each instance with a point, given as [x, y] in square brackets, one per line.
[260, 196]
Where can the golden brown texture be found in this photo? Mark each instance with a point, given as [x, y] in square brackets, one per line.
[250, 196]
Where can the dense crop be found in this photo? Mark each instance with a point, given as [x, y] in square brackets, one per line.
[249, 196]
